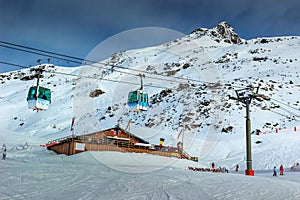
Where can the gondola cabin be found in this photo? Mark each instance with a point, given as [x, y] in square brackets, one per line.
[38, 98]
[138, 101]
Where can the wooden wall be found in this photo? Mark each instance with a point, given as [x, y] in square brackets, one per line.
[67, 149]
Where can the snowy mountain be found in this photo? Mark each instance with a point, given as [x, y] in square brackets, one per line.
[191, 83]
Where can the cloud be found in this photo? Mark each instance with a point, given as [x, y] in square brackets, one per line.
[76, 27]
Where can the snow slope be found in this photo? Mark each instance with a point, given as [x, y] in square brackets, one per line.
[38, 174]
[187, 96]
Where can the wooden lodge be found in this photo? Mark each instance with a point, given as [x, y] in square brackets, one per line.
[113, 139]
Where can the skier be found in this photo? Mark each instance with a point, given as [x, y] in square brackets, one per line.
[281, 169]
[226, 170]
[25, 146]
[213, 165]
[237, 168]
[274, 171]
[4, 152]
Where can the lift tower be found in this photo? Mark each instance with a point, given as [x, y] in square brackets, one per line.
[245, 96]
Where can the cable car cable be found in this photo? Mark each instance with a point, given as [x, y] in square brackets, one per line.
[87, 64]
[285, 104]
[82, 76]
[94, 62]
[76, 58]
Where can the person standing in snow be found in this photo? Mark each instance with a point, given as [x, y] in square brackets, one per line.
[237, 168]
[213, 165]
[281, 169]
[274, 171]
[4, 152]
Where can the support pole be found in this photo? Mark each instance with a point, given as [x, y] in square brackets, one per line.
[37, 85]
[142, 76]
[249, 170]
[72, 130]
[245, 96]
[38, 79]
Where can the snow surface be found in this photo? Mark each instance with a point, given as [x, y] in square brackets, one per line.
[35, 173]
[203, 111]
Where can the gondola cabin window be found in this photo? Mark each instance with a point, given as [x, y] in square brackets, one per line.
[42, 93]
[31, 93]
[132, 98]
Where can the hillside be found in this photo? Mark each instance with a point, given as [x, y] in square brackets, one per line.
[191, 83]
[201, 72]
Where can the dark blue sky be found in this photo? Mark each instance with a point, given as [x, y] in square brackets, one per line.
[75, 27]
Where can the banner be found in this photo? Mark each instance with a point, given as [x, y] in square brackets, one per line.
[80, 146]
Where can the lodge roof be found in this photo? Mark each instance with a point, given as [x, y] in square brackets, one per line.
[89, 134]
[123, 130]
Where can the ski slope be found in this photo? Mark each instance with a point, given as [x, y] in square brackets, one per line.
[202, 110]
[35, 173]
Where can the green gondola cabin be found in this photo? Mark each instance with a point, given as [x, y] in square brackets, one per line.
[38, 98]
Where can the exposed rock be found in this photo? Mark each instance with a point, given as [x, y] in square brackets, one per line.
[227, 129]
[96, 93]
[222, 32]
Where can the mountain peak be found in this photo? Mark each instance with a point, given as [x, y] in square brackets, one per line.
[222, 32]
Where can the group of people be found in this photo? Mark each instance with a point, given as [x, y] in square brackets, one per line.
[220, 169]
[236, 167]
[281, 170]
[25, 146]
